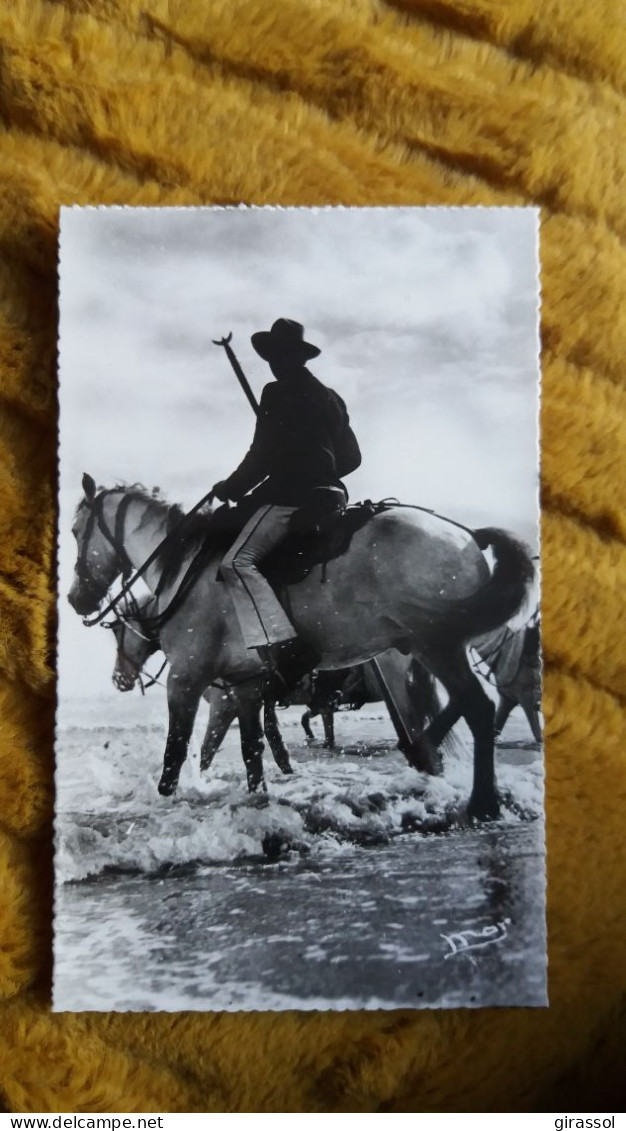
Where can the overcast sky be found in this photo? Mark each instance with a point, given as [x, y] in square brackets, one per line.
[426, 318]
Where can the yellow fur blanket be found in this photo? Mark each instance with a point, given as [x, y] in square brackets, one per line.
[314, 102]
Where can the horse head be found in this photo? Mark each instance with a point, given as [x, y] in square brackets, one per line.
[135, 643]
[101, 556]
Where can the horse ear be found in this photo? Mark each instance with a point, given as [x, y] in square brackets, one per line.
[89, 487]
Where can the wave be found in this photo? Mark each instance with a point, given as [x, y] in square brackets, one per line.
[111, 818]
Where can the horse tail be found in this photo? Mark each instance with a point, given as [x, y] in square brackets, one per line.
[507, 589]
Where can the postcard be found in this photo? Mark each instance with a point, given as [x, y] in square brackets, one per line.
[299, 758]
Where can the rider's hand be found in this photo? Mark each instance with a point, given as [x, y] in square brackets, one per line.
[219, 491]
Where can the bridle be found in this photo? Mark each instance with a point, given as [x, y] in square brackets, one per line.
[96, 520]
[115, 538]
[124, 624]
[490, 659]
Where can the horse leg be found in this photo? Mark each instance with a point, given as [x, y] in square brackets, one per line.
[306, 723]
[251, 734]
[442, 724]
[422, 706]
[328, 719]
[504, 708]
[182, 701]
[222, 712]
[528, 703]
[423, 753]
[275, 738]
[468, 697]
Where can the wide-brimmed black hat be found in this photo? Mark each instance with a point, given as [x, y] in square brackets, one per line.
[285, 339]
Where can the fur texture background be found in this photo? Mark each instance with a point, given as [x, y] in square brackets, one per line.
[323, 102]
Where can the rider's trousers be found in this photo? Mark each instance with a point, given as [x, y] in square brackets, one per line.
[261, 617]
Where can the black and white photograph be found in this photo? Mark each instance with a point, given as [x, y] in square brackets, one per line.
[299, 759]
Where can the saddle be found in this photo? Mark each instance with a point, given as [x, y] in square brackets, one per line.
[314, 538]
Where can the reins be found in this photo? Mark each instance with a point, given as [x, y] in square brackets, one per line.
[152, 679]
[133, 611]
[122, 554]
[492, 657]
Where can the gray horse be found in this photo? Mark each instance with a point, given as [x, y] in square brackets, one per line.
[513, 659]
[409, 580]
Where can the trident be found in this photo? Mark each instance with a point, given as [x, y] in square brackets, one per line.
[208, 498]
[239, 373]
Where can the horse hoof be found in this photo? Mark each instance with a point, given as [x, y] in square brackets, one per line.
[487, 809]
[256, 800]
[166, 788]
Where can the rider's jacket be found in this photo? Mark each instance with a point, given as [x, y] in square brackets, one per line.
[303, 440]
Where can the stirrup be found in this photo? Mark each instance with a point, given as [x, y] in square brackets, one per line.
[285, 671]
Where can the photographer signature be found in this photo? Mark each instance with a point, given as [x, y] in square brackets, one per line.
[464, 942]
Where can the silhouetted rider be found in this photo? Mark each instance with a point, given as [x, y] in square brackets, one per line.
[303, 445]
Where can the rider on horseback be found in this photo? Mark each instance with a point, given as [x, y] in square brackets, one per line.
[303, 445]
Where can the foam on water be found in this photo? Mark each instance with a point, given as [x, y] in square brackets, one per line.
[110, 816]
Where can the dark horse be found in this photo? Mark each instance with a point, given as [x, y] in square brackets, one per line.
[409, 580]
[322, 693]
[411, 690]
[329, 691]
[136, 641]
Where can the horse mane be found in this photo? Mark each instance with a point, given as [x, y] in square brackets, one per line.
[171, 514]
[193, 529]
[196, 525]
